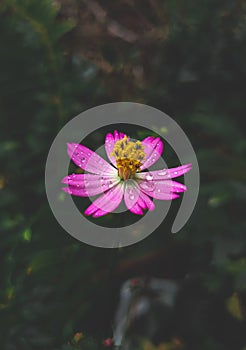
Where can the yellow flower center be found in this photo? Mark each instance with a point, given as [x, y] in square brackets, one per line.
[129, 157]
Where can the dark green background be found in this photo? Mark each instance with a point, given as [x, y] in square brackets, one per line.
[59, 58]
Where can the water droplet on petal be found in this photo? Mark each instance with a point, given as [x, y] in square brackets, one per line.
[82, 159]
[158, 190]
[130, 191]
[110, 184]
[149, 177]
[131, 197]
[175, 173]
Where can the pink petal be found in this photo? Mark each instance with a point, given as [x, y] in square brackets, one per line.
[164, 174]
[165, 186]
[88, 160]
[131, 197]
[85, 185]
[147, 202]
[95, 211]
[110, 142]
[163, 190]
[136, 209]
[135, 199]
[106, 203]
[153, 148]
[144, 202]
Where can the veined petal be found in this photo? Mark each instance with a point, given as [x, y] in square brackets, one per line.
[95, 211]
[85, 185]
[163, 190]
[164, 174]
[110, 142]
[165, 186]
[106, 203]
[88, 160]
[153, 148]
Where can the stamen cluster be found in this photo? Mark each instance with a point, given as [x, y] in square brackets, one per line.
[129, 157]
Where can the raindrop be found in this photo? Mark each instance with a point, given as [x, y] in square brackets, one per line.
[158, 190]
[149, 177]
[155, 155]
[110, 184]
[82, 159]
[131, 197]
[175, 173]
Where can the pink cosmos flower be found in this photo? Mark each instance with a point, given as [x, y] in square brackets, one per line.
[123, 179]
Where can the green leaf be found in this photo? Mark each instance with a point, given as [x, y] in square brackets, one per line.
[27, 235]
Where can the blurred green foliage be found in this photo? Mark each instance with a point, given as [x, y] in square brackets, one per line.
[58, 58]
